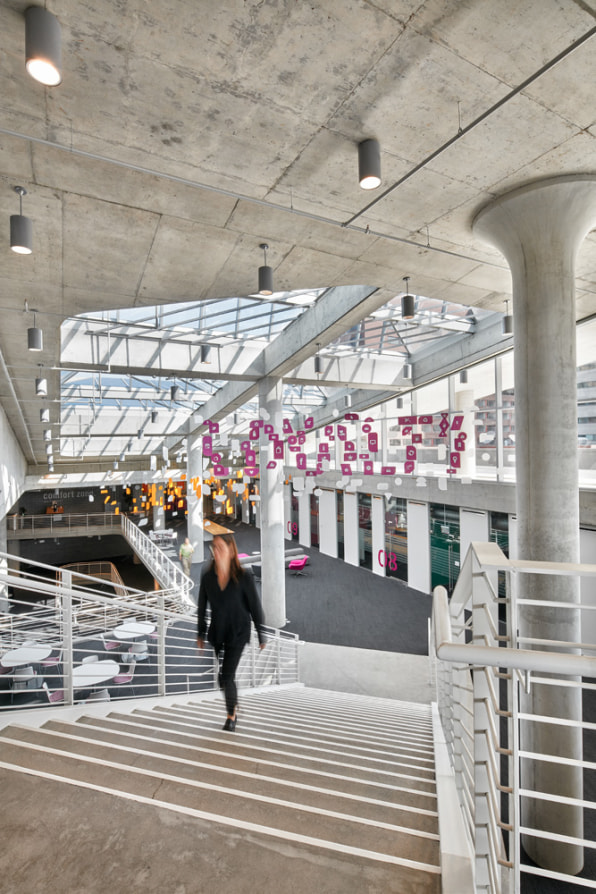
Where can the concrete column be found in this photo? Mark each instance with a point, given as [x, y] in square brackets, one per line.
[539, 229]
[273, 573]
[464, 405]
[194, 504]
[159, 518]
[4, 604]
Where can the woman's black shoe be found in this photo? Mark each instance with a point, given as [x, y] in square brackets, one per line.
[229, 725]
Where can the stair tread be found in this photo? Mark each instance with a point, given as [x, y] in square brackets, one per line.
[160, 850]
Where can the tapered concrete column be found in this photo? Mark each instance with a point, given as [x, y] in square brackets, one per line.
[273, 576]
[194, 504]
[539, 228]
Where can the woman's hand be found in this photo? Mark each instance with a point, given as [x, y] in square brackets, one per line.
[262, 645]
[200, 643]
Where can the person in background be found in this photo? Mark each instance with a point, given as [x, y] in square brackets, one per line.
[229, 590]
[185, 554]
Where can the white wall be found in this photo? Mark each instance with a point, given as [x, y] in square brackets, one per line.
[419, 576]
[351, 549]
[328, 523]
[304, 538]
[13, 467]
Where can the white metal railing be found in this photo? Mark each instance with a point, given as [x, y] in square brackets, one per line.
[481, 673]
[168, 574]
[58, 621]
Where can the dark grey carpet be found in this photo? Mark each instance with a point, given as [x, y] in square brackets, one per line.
[341, 605]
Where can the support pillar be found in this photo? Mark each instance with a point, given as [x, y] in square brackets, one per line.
[273, 575]
[539, 229]
[194, 496]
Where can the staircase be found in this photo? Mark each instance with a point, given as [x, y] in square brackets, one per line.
[314, 792]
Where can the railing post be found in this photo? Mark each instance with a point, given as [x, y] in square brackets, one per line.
[161, 647]
[66, 581]
[278, 656]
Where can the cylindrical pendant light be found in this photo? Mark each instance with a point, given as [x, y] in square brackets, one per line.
[21, 228]
[43, 46]
[34, 337]
[47, 434]
[369, 164]
[265, 274]
[507, 321]
[408, 309]
[44, 415]
[173, 392]
[407, 371]
[400, 403]
[317, 361]
[463, 377]
[153, 415]
[41, 387]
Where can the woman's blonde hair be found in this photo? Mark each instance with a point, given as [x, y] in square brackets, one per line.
[236, 569]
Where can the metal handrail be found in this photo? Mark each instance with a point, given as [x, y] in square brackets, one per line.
[81, 620]
[478, 686]
[480, 656]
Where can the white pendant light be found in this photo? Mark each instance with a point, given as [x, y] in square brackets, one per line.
[34, 337]
[21, 228]
[369, 164]
[265, 274]
[43, 46]
[507, 321]
[41, 385]
[408, 309]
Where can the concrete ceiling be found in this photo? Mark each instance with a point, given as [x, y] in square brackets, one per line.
[185, 134]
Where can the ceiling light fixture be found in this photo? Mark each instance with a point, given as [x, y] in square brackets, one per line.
[408, 301]
[407, 371]
[463, 377]
[507, 320]
[43, 46]
[47, 434]
[400, 403]
[173, 392]
[153, 415]
[317, 361]
[41, 385]
[21, 228]
[44, 415]
[205, 351]
[369, 164]
[265, 274]
[34, 336]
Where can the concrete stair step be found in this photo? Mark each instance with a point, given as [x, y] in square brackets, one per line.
[221, 752]
[303, 742]
[254, 780]
[328, 726]
[396, 772]
[146, 846]
[280, 816]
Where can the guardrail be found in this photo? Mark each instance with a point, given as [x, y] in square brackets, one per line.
[168, 574]
[64, 642]
[481, 674]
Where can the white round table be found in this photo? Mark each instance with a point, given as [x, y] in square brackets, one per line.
[132, 629]
[94, 672]
[25, 655]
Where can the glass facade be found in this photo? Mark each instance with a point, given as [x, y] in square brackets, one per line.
[364, 531]
[444, 546]
[396, 539]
